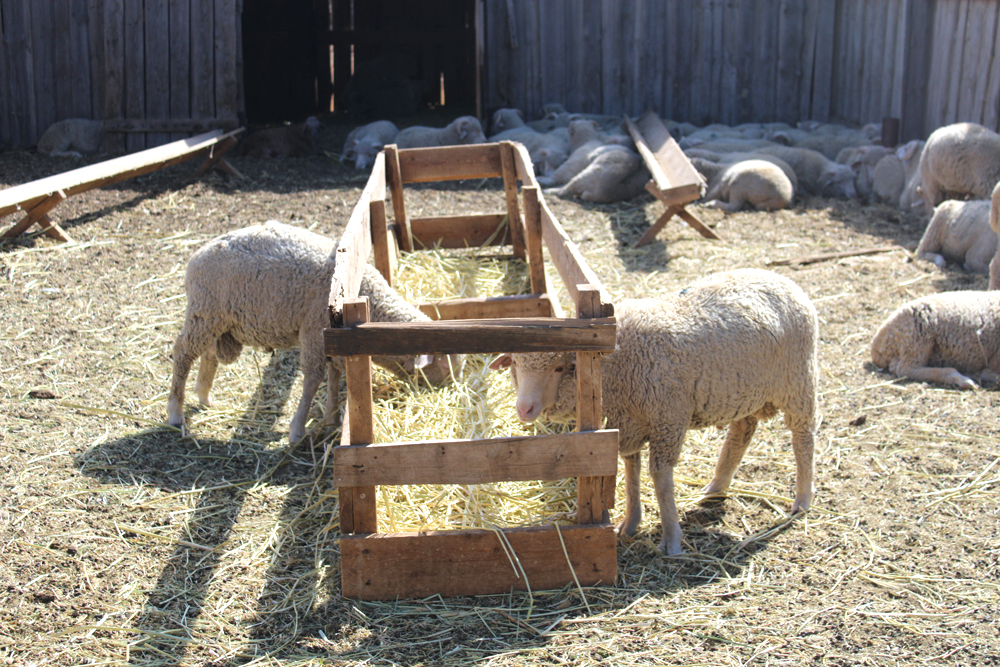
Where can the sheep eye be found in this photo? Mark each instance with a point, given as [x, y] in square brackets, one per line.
[559, 369]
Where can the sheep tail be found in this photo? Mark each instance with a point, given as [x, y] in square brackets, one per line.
[227, 348]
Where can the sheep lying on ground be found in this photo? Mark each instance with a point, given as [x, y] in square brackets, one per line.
[733, 348]
[759, 183]
[462, 130]
[817, 174]
[269, 286]
[995, 225]
[365, 142]
[72, 137]
[944, 338]
[733, 158]
[299, 140]
[547, 150]
[909, 154]
[585, 138]
[614, 174]
[506, 119]
[960, 232]
[963, 158]
[863, 160]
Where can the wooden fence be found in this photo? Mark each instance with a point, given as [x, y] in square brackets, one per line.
[927, 62]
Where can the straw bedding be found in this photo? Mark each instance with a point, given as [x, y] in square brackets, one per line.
[124, 543]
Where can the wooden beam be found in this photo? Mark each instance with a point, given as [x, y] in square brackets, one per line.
[514, 459]
[490, 307]
[460, 231]
[450, 163]
[36, 213]
[216, 152]
[395, 180]
[472, 337]
[170, 124]
[476, 562]
[533, 237]
[516, 223]
[569, 262]
[358, 511]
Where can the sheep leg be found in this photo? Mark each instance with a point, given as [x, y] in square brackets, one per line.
[995, 271]
[802, 446]
[207, 367]
[942, 375]
[735, 446]
[664, 452]
[989, 375]
[193, 342]
[332, 415]
[310, 383]
[633, 504]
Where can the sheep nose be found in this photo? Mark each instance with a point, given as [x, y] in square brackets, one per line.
[527, 412]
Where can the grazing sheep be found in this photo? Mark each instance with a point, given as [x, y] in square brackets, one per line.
[365, 142]
[72, 137]
[963, 158]
[299, 140]
[614, 174]
[817, 174]
[759, 183]
[462, 130]
[269, 286]
[960, 232]
[995, 225]
[732, 348]
[945, 337]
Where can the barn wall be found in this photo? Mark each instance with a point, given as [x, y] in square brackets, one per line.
[156, 70]
[927, 62]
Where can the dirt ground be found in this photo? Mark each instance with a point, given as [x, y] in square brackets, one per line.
[122, 542]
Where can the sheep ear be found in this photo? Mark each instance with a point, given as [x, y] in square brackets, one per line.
[501, 362]
[423, 361]
[462, 131]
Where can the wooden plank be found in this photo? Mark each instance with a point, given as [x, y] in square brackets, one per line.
[450, 163]
[472, 337]
[973, 47]
[991, 94]
[180, 64]
[216, 153]
[395, 181]
[662, 154]
[516, 223]
[533, 238]
[135, 72]
[105, 173]
[476, 562]
[522, 164]
[157, 66]
[514, 459]
[492, 307]
[95, 55]
[226, 57]
[790, 41]
[381, 255]
[460, 231]
[202, 60]
[569, 262]
[114, 70]
[919, 30]
[593, 39]
[353, 250]
[808, 55]
[77, 57]
[17, 91]
[823, 66]
[358, 511]
[35, 214]
[43, 34]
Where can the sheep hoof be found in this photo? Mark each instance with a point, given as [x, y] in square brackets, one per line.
[671, 547]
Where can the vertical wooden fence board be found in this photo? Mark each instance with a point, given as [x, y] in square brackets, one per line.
[670, 108]
[893, 57]
[951, 112]
[42, 29]
[135, 72]
[157, 67]
[874, 37]
[653, 53]
[6, 104]
[636, 64]
[18, 88]
[942, 63]
[789, 55]
[764, 65]
[226, 85]
[808, 54]
[202, 60]
[744, 67]
[95, 55]
[976, 46]
[732, 38]
[611, 51]
[919, 21]
[682, 31]
[822, 72]
[991, 97]
[180, 62]
[114, 70]
[70, 59]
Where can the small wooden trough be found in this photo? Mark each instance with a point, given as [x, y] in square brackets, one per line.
[470, 562]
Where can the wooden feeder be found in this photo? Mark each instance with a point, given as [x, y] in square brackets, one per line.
[470, 562]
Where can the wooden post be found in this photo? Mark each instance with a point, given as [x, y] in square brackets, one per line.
[380, 240]
[533, 238]
[595, 495]
[37, 213]
[358, 512]
[515, 224]
[395, 178]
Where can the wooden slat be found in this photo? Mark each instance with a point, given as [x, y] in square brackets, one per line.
[226, 44]
[515, 222]
[472, 337]
[381, 241]
[515, 459]
[395, 181]
[105, 173]
[180, 60]
[475, 562]
[157, 65]
[134, 89]
[37, 212]
[664, 158]
[570, 264]
[358, 511]
[450, 163]
[515, 306]
[533, 237]
[460, 231]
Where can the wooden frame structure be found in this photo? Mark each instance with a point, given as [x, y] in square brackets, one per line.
[38, 198]
[675, 181]
[470, 562]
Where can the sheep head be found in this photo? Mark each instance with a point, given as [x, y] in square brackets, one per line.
[545, 383]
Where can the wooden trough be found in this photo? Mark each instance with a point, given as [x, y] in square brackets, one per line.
[470, 562]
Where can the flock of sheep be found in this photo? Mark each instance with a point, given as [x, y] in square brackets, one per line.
[267, 285]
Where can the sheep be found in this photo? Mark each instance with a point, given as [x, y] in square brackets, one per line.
[995, 225]
[831, 143]
[888, 179]
[962, 158]
[909, 154]
[817, 174]
[72, 137]
[960, 232]
[578, 160]
[506, 119]
[462, 130]
[732, 158]
[269, 286]
[365, 142]
[863, 160]
[614, 174]
[547, 151]
[759, 183]
[945, 337]
[732, 348]
[299, 140]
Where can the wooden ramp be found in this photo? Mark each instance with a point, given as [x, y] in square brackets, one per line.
[675, 181]
[39, 197]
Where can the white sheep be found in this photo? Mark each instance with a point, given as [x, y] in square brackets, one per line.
[732, 158]
[269, 286]
[945, 337]
[817, 174]
[910, 153]
[547, 150]
[995, 225]
[863, 159]
[72, 137]
[365, 142]
[506, 119]
[462, 130]
[585, 137]
[298, 140]
[962, 159]
[614, 174]
[959, 231]
[732, 348]
[888, 180]
[759, 183]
